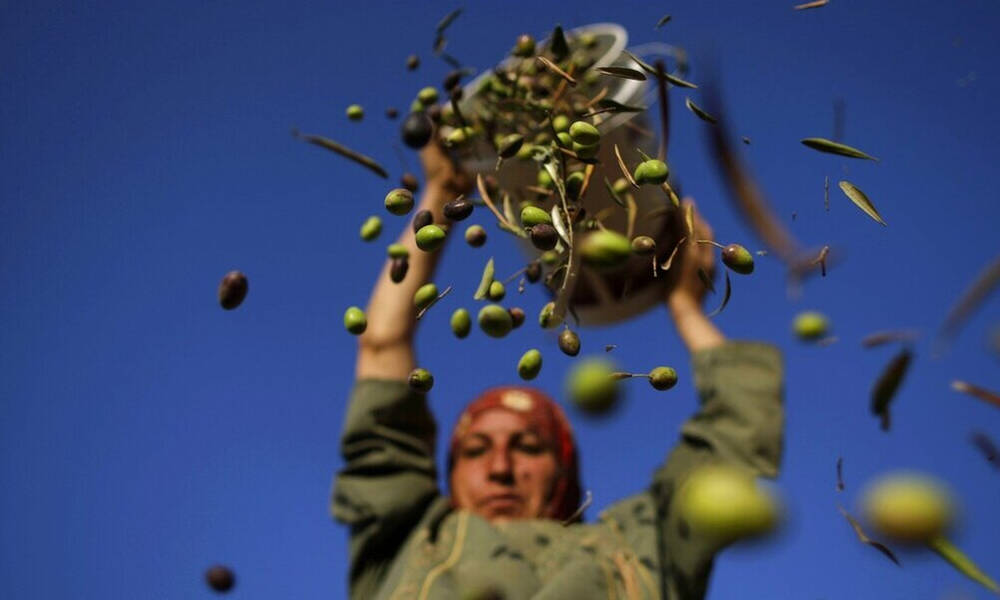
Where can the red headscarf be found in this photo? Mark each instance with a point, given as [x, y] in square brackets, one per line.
[548, 420]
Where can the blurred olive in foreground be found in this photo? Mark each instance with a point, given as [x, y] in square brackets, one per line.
[605, 249]
[725, 504]
[233, 289]
[591, 386]
[909, 507]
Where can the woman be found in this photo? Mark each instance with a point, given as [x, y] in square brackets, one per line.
[509, 529]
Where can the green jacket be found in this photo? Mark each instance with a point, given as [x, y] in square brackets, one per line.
[407, 542]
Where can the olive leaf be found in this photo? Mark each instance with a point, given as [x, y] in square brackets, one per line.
[956, 558]
[558, 45]
[860, 200]
[705, 279]
[971, 298]
[558, 224]
[832, 147]
[625, 171]
[670, 261]
[840, 473]
[679, 82]
[884, 337]
[622, 73]
[704, 116]
[613, 106]
[663, 21]
[974, 390]
[613, 193]
[867, 540]
[987, 447]
[342, 150]
[447, 20]
[548, 64]
[485, 281]
[725, 297]
[887, 384]
[508, 211]
[642, 64]
[826, 193]
[813, 4]
[689, 219]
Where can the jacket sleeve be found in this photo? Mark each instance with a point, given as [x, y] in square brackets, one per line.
[740, 421]
[388, 479]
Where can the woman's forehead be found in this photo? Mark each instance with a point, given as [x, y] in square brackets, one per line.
[499, 421]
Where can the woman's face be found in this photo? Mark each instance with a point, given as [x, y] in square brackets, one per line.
[503, 469]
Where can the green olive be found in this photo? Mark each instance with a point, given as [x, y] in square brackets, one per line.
[530, 364]
[496, 291]
[564, 139]
[371, 228]
[651, 172]
[428, 96]
[546, 318]
[592, 387]
[524, 47]
[621, 185]
[574, 183]
[811, 325]
[544, 180]
[430, 238]
[738, 259]
[532, 215]
[460, 136]
[421, 380]
[909, 507]
[417, 107]
[605, 249]
[569, 342]
[355, 112]
[475, 236]
[584, 133]
[584, 151]
[510, 145]
[663, 378]
[397, 251]
[550, 257]
[724, 504]
[461, 323]
[425, 295]
[560, 123]
[495, 321]
[399, 201]
[355, 320]
[525, 152]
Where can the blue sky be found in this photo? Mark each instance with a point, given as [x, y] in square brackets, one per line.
[145, 433]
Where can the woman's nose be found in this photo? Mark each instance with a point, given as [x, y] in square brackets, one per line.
[501, 467]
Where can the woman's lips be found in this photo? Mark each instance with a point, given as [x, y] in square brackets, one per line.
[501, 500]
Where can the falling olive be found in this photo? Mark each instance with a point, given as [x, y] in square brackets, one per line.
[643, 245]
[397, 251]
[723, 504]
[546, 316]
[475, 236]
[461, 323]
[428, 96]
[421, 380]
[233, 289]
[653, 172]
[412, 62]
[410, 182]
[496, 291]
[811, 325]
[399, 201]
[584, 133]
[371, 228]
[398, 268]
[355, 112]
[524, 47]
[417, 129]
[605, 249]
[430, 238]
[663, 378]
[533, 272]
[220, 578]
[355, 321]
[544, 236]
[424, 295]
[530, 364]
[592, 387]
[909, 507]
[422, 219]
[458, 209]
[391, 113]
[569, 342]
[516, 316]
[532, 215]
[495, 321]
[738, 259]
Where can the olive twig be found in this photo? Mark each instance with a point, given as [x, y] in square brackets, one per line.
[433, 302]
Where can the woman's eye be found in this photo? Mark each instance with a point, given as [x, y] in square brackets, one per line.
[531, 446]
[473, 451]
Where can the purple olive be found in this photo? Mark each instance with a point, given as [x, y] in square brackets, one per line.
[458, 209]
[544, 236]
[422, 219]
[417, 130]
[233, 289]
[220, 578]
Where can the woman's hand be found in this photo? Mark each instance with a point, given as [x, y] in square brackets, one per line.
[442, 173]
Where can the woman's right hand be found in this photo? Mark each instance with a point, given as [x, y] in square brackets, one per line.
[441, 173]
